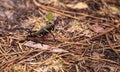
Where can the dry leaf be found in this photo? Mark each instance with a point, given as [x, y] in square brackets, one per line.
[43, 46]
[36, 45]
[97, 55]
[7, 4]
[79, 5]
[96, 28]
[58, 50]
[46, 1]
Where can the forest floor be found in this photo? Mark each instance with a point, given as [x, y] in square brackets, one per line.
[59, 36]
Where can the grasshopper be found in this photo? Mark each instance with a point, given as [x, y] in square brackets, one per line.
[43, 31]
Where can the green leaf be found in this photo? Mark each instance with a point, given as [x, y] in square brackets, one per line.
[115, 9]
[49, 16]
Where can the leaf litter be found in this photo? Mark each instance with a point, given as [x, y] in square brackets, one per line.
[86, 36]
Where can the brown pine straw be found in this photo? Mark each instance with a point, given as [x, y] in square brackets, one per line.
[110, 44]
[62, 12]
[103, 33]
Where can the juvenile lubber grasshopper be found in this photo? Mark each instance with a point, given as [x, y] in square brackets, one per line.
[43, 31]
